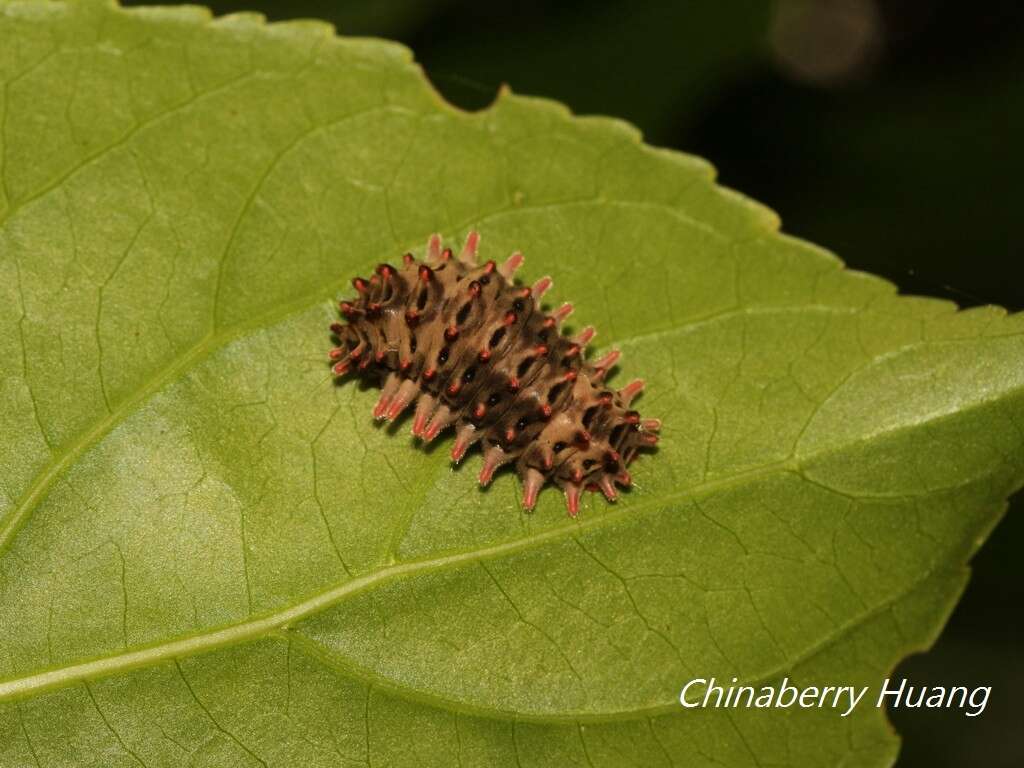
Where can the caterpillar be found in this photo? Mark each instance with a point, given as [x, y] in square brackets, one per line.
[475, 351]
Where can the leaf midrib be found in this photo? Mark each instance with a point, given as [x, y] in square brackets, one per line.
[340, 665]
[259, 626]
[264, 625]
[215, 340]
[272, 623]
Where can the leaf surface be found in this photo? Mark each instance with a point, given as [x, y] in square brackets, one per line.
[210, 555]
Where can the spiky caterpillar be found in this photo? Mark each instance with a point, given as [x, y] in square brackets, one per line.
[475, 350]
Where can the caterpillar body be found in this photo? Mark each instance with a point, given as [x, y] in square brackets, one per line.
[475, 351]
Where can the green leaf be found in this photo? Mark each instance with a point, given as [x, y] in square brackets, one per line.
[210, 555]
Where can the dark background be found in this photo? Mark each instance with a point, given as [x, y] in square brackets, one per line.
[889, 132]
